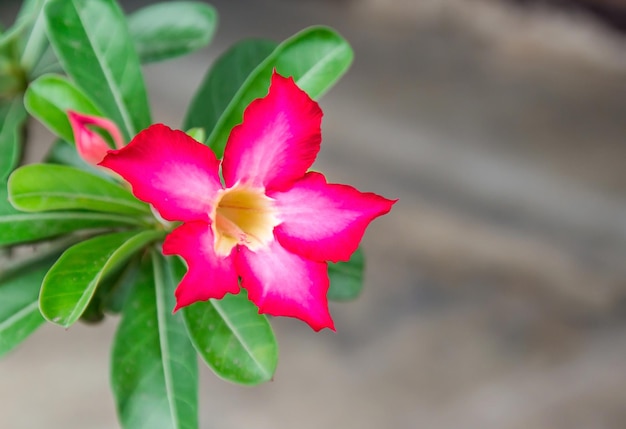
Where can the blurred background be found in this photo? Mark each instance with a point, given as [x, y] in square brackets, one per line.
[495, 292]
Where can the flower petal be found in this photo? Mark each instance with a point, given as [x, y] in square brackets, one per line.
[278, 140]
[281, 283]
[325, 222]
[169, 170]
[89, 144]
[209, 275]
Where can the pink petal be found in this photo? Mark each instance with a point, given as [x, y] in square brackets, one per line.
[325, 222]
[89, 144]
[281, 283]
[169, 170]
[209, 275]
[278, 140]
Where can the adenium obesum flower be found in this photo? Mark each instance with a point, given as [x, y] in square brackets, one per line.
[90, 145]
[271, 223]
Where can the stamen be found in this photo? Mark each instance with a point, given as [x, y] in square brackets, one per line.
[243, 216]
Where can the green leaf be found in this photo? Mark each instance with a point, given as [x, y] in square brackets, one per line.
[15, 35]
[118, 291]
[93, 44]
[72, 280]
[44, 187]
[12, 78]
[154, 372]
[223, 80]
[236, 342]
[36, 42]
[12, 118]
[48, 99]
[48, 63]
[116, 285]
[346, 278]
[63, 152]
[36, 52]
[166, 30]
[18, 227]
[198, 134]
[316, 58]
[19, 292]
[27, 11]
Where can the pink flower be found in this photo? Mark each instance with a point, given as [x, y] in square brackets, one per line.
[272, 223]
[90, 145]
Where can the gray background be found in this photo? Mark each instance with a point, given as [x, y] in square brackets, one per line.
[494, 293]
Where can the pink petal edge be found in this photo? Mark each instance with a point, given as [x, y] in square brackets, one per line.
[325, 222]
[281, 283]
[278, 140]
[208, 275]
[169, 170]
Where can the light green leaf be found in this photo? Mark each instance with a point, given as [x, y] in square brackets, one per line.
[198, 134]
[236, 342]
[154, 372]
[27, 11]
[223, 80]
[346, 278]
[48, 63]
[18, 227]
[48, 99]
[167, 30]
[12, 118]
[92, 41]
[72, 280]
[62, 152]
[316, 58]
[36, 42]
[45, 187]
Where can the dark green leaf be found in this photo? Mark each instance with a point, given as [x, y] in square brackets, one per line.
[15, 263]
[236, 342]
[19, 309]
[72, 280]
[223, 80]
[12, 78]
[49, 98]
[92, 42]
[166, 30]
[119, 289]
[18, 227]
[12, 118]
[346, 278]
[315, 57]
[44, 187]
[114, 282]
[14, 36]
[154, 369]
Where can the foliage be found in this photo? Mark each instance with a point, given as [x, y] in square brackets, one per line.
[98, 248]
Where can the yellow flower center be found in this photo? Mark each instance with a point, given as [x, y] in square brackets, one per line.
[243, 215]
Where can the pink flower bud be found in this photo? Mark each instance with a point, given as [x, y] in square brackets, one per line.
[91, 146]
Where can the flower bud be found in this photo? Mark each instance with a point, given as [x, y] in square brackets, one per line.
[91, 146]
